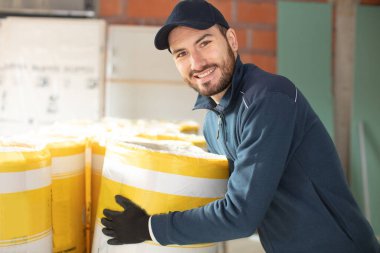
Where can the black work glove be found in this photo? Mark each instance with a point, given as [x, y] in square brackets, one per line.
[128, 226]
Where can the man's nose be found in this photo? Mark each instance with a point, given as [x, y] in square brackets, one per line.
[197, 61]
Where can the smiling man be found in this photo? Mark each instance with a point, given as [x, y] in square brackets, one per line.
[286, 179]
[205, 59]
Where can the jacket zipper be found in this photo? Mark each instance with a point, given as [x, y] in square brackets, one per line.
[221, 127]
[219, 122]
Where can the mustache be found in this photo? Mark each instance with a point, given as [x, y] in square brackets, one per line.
[194, 72]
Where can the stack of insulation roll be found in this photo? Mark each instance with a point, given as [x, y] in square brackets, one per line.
[25, 198]
[160, 176]
[68, 193]
[75, 175]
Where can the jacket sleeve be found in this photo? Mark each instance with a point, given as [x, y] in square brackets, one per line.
[266, 131]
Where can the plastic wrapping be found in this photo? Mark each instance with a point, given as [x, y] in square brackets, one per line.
[25, 199]
[160, 176]
[68, 193]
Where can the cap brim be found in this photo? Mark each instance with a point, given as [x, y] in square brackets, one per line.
[161, 40]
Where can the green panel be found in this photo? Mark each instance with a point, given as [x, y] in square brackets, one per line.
[304, 53]
[367, 108]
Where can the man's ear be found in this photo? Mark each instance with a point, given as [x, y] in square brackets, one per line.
[232, 39]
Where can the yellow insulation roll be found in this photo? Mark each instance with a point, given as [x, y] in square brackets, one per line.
[196, 140]
[188, 127]
[98, 150]
[88, 193]
[25, 199]
[68, 193]
[77, 129]
[160, 176]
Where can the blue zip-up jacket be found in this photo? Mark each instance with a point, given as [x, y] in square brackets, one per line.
[286, 180]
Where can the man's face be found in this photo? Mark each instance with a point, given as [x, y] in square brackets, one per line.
[204, 59]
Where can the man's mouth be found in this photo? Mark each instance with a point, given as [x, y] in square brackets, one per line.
[205, 73]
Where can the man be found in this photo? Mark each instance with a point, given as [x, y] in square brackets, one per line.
[286, 180]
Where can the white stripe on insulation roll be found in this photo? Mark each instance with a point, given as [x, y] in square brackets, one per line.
[37, 246]
[163, 182]
[68, 165]
[97, 163]
[25, 180]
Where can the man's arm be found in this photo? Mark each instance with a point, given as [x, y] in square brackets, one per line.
[268, 127]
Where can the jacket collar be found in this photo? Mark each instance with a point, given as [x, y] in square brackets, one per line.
[204, 102]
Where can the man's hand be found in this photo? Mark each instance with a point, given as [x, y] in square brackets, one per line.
[128, 226]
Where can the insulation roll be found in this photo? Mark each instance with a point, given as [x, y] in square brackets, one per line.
[77, 129]
[188, 127]
[25, 199]
[196, 140]
[68, 194]
[160, 176]
[87, 190]
[98, 150]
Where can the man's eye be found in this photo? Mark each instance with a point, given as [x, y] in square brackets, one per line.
[181, 54]
[204, 43]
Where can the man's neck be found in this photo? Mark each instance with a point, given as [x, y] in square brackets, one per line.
[218, 97]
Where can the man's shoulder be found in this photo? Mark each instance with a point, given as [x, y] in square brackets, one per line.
[258, 84]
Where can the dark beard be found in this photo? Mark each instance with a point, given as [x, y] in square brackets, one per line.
[225, 79]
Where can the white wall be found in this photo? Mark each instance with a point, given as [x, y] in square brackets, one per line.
[143, 82]
[152, 101]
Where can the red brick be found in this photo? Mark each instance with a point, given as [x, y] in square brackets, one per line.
[241, 37]
[225, 7]
[108, 8]
[150, 9]
[266, 40]
[265, 62]
[257, 12]
[311, 1]
[373, 2]
[246, 57]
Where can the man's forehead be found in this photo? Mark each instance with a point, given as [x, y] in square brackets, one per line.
[182, 34]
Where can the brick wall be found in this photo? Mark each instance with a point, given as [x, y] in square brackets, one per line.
[372, 2]
[254, 20]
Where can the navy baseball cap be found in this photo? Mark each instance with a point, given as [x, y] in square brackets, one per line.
[197, 14]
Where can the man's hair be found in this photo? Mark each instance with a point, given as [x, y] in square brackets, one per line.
[222, 30]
